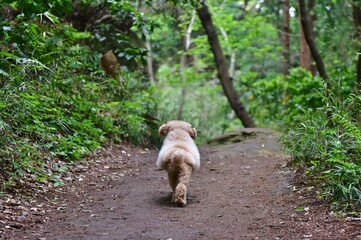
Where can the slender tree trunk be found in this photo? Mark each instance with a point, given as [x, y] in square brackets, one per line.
[183, 89]
[183, 64]
[311, 20]
[149, 59]
[232, 60]
[356, 13]
[311, 42]
[221, 65]
[305, 53]
[286, 39]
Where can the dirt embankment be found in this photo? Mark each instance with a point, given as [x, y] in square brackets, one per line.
[243, 190]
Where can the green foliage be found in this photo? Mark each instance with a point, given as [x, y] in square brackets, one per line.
[30, 8]
[205, 104]
[322, 132]
[327, 143]
[202, 101]
[116, 25]
[283, 98]
[55, 103]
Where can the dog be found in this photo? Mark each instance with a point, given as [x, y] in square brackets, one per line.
[179, 156]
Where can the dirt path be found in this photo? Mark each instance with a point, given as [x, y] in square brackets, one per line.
[242, 191]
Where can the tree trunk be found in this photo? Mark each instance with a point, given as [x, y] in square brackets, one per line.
[149, 58]
[305, 53]
[221, 65]
[232, 60]
[183, 89]
[311, 20]
[356, 13]
[183, 64]
[311, 42]
[286, 39]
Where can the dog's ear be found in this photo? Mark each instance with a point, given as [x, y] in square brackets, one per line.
[193, 133]
[164, 129]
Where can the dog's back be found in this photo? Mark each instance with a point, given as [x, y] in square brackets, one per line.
[178, 146]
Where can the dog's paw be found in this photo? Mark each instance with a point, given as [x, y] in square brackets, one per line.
[180, 203]
[180, 195]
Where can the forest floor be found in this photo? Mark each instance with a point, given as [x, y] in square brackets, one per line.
[243, 190]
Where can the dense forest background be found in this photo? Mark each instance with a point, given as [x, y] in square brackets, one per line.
[78, 75]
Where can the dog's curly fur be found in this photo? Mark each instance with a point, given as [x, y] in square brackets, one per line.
[179, 156]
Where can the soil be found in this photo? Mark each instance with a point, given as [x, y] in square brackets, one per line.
[243, 190]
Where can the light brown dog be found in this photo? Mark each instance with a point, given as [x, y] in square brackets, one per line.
[179, 156]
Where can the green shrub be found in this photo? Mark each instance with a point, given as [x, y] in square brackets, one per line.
[326, 142]
[282, 98]
[55, 103]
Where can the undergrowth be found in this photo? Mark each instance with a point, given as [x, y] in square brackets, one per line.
[56, 103]
[326, 142]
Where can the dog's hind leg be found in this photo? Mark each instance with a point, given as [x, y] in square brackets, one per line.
[181, 189]
[173, 182]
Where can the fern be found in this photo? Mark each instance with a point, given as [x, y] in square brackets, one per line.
[2, 72]
[350, 128]
[31, 64]
[329, 147]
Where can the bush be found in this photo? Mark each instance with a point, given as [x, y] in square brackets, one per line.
[327, 142]
[56, 104]
[282, 98]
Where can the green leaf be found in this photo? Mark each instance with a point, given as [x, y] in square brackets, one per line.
[300, 209]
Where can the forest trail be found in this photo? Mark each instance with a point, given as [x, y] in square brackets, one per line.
[243, 190]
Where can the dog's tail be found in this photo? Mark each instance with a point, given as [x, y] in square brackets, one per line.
[178, 156]
[182, 157]
[180, 160]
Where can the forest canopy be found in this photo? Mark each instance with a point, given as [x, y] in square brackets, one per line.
[78, 75]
